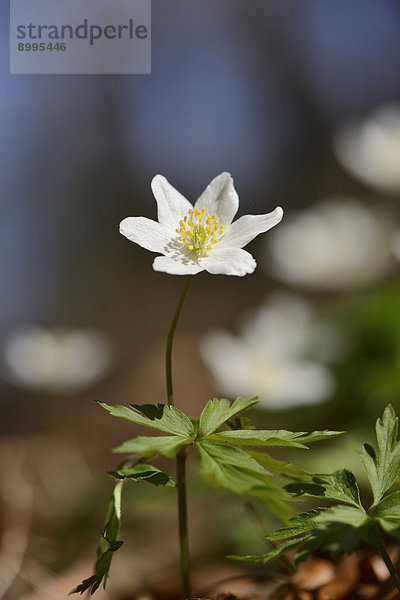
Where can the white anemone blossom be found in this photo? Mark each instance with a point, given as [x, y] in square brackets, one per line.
[280, 355]
[57, 360]
[370, 148]
[200, 237]
[395, 245]
[339, 243]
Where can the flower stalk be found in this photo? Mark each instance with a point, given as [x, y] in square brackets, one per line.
[390, 566]
[183, 522]
[170, 339]
[181, 456]
[190, 239]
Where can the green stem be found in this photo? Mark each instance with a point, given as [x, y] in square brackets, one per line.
[183, 521]
[170, 339]
[181, 456]
[390, 566]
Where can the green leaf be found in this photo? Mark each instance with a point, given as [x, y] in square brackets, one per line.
[227, 455]
[224, 470]
[299, 525]
[161, 416]
[391, 526]
[388, 507]
[277, 437]
[256, 438]
[146, 473]
[342, 514]
[387, 513]
[309, 489]
[279, 466]
[340, 485]
[91, 583]
[168, 445]
[307, 547]
[336, 530]
[218, 411]
[339, 538]
[225, 474]
[258, 485]
[341, 528]
[235, 470]
[264, 558]
[383, 466]
[317, 436]
[108, 544]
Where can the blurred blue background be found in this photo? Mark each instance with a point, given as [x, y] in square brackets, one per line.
[250, 88]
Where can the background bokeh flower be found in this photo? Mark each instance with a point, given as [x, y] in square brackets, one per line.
[369, 148]
[336, 244]
[57, 360]
[395, 244]
[280, 354]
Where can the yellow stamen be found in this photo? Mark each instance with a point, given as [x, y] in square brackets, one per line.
[199, 230]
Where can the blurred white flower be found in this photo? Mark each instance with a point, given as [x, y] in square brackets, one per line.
[395, 244]
[277, 355]
[58, 360]
[200, 237]
[338, 243]
[370, 148]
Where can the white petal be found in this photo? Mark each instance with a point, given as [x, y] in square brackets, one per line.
[172, 206]
[245, 229]
[220, 198]
[166, 264]
[228, 261]
[145, 232]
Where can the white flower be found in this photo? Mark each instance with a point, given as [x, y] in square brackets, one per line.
[57, 360]
[370, 148]
[277, 355]
[395, 245]
[199, 237]
[336, 244]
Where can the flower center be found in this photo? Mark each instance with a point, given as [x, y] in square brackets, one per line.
[199, 230]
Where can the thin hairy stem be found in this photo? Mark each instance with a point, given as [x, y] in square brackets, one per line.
[183, 522]
[390, 566]
[181, 456]
[170, 339]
